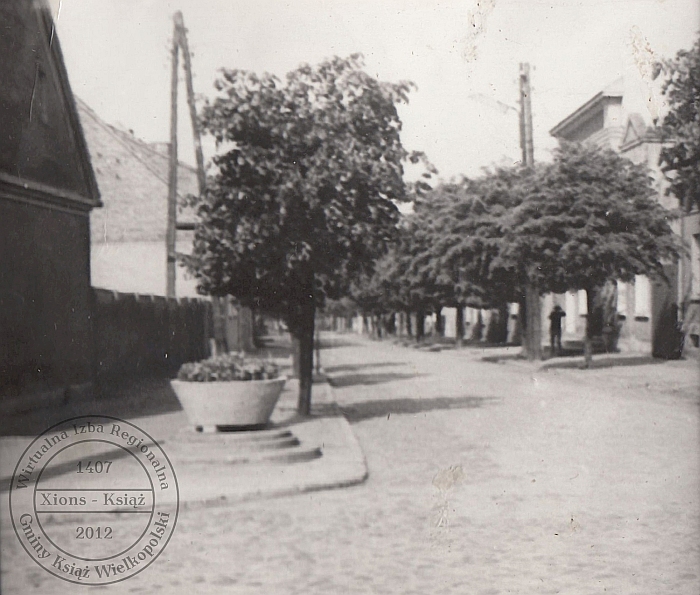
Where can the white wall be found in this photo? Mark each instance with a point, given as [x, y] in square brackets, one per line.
[137, 267]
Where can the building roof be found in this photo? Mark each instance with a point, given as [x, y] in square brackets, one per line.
[637, 131]
[133, 179]
[43, 155]
[593, 105]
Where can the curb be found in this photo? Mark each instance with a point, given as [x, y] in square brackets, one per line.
[342, 464]
[575, 362]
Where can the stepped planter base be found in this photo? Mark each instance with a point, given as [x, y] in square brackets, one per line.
[236, 405]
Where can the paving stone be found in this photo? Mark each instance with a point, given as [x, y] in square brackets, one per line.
[483, 478]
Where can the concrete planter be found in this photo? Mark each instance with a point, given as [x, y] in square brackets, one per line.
[235, 404]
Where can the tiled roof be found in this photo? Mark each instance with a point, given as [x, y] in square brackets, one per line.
[132, 176]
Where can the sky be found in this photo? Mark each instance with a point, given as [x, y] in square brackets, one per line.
[463, 55]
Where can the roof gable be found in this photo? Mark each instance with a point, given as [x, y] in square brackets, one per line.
[570, 126]
[42, 147]
[133, 179]
[635, 129]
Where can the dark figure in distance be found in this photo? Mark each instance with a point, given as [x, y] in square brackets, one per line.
[555, 328]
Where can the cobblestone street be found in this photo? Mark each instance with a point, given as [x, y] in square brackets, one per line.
[483, 478]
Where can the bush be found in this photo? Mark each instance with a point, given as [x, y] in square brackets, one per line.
[226, 367]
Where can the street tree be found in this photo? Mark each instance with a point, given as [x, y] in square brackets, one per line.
[404, 279]
[344, 308]
[680, 157]
[587, 218]
[467, 237]
[432, 282]
[584, 219]
[369, 294]
[303, 194]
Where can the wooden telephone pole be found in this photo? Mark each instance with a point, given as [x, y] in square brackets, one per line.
[533, 307]
[179, 44]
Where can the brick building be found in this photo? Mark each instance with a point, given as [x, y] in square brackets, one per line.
[128, 233]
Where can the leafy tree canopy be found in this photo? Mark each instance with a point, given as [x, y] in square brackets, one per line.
[468, 236]
[681, 124]
[588, 217]
[427, 283]
[304, 194]
[405, 278]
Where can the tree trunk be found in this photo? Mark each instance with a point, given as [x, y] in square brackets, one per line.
[439, 327]
[420, 325]
[305, 336]
[478, 328]
[498, 325]
[534, 322]
[587, 343]
[460, 325]
[317, 347]
[295, 356]
[522, 320]
[409, 326]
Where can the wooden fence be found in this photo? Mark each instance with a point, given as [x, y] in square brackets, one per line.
[137, 335]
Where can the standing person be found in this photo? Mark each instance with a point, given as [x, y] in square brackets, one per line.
[555, 328]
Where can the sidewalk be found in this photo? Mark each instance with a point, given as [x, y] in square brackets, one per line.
[628, 371]
[484, 478]
[329, 456]
[293, 455]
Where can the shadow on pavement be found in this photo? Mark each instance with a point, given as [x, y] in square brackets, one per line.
[130, 399]
[369, 378]
[281, 345]
[642, 360]
[356, 367]
[364, 410]
[508, 357]
[334, 343]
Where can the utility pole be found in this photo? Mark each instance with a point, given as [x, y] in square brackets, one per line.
[172, 174]
[526, 142]
[179, 44]
[180, 24]
[533, 306]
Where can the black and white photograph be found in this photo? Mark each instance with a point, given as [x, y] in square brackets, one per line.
[350, 297]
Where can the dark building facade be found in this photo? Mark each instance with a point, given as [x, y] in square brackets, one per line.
[47, 190]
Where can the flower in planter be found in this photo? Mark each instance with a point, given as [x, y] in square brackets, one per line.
[228, 367]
